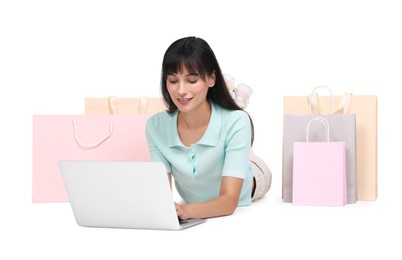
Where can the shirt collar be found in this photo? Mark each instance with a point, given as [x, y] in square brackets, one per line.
[211, 135]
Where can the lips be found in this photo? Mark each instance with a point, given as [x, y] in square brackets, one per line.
[184, 101]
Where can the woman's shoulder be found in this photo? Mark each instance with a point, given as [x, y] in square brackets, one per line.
[234, 118]
[234, 114]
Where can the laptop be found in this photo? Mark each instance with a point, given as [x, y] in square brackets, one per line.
[121, 195]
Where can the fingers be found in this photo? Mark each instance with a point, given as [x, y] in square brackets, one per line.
[180, 211]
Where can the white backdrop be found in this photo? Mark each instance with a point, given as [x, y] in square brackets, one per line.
[55, 53]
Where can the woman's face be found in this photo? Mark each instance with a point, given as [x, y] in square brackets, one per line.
[187, 90]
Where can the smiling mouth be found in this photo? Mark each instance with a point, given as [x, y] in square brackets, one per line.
[184, 100]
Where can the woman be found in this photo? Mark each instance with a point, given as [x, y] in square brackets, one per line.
[204, 138]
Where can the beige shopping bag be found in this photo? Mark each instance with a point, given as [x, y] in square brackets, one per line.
[123, 105]
[365, 109]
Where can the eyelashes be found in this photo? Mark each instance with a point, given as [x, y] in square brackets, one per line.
[191, 81]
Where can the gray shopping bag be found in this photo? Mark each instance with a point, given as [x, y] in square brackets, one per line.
[343, 128]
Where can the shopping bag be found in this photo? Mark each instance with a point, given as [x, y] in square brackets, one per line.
[81, 137]
[365, 109]
[343, 130]
[123, 105]
[319, 172]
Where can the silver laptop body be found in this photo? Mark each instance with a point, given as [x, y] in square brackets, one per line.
[121, 195]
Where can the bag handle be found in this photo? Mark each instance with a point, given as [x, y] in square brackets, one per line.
[142, 105]
[93, 145]
[313, 100]
[323, 121]
[113, 105]
[343, 106]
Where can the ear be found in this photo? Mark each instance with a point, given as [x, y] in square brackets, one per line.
[211, 80]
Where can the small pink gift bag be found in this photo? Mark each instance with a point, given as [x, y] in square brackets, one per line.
[319, 171]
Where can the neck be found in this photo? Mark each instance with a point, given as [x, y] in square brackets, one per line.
[196, 118]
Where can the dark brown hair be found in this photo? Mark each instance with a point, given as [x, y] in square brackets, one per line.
[197, 57]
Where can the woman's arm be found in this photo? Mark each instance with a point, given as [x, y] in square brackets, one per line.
[224, 204]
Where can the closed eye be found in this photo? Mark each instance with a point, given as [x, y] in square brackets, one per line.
[193, 78]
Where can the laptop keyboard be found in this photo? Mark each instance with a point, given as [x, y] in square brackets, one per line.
[182, 221]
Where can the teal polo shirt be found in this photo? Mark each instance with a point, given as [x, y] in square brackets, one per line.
[223, 150]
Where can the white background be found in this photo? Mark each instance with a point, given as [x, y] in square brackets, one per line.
[55, 53]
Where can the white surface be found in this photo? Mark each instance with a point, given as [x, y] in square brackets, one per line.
[267, 229]
[55, 53]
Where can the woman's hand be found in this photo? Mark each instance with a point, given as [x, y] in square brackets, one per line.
[181, 211]
[224, 204]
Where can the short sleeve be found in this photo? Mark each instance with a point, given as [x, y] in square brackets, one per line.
[155, 137]
[238, 143]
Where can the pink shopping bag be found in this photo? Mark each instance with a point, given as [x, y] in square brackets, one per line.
[81, 137]
[343, 129]
[319, 171]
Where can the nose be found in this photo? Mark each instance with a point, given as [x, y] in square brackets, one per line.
[181, 89]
